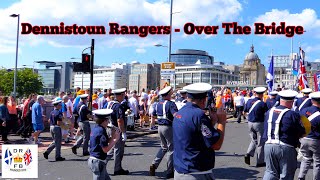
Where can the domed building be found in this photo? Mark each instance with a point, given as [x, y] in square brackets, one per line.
[252, 71]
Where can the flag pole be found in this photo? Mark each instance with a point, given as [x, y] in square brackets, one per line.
[273, 71]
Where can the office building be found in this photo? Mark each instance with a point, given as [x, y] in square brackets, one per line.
[191, 57]
[103, 78]
[144, 76]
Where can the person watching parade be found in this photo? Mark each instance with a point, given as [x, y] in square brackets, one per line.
[194, 135]
[310, 145]
[37, 118]
[282, 131]
[100, 144]
[256, 108]
[55, 130]
[84, 125]
[164, 112]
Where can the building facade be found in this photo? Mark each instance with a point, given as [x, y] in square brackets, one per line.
[212, 74]
[103, 78]
[252, 71]
[144, 76]
[283, 74]
[191, 57]
[126, 70]
[55, 76]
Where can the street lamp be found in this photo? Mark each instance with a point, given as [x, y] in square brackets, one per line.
[170, 35]
[17, 45]
[81, 73]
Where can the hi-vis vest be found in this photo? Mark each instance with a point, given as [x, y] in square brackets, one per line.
[164, 113]
[276, 139]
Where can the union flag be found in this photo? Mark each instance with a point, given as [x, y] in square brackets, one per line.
[27, 157]
[303, 82]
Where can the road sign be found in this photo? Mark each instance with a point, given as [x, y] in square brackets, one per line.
[168, 66]
[167, 76]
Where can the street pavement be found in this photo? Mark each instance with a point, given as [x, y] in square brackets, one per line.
[141, 150]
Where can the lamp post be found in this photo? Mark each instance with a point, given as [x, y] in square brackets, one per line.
[16, 64]
[170, 35]
[81, 73]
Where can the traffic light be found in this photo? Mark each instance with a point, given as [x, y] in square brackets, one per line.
[85, 63]
[77, 67]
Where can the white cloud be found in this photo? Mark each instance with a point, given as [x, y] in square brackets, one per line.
[141, 51]
[239, 41]
[307, 18]
[101, 12]
[313, 48]
[317, 60]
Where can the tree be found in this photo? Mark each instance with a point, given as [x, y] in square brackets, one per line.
[27, 82]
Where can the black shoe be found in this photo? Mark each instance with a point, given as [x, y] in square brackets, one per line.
[247, 159]
[68, 141]
[121, 172]
[74, 150]
[152, 170]
[86, 154]
[45, 155]
[169, 176]
[261, 165]
[60, 159]
[238, 121]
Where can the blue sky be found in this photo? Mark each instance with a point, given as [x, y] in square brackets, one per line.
[230, 49]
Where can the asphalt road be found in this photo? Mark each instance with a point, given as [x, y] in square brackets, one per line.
[140, 152]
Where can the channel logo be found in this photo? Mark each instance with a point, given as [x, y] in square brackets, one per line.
[20, 161]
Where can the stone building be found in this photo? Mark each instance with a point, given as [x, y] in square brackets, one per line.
[252, 71]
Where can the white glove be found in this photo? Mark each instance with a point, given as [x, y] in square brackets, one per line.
[124, 137]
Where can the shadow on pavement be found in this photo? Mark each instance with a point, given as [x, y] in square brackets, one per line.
[145, 143]
[219, 153]
[159, 175]
[133, 154]
[235, 173]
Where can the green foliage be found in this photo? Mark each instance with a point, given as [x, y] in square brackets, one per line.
[27, 82]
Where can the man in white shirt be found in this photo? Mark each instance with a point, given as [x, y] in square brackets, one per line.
[144, 95]
[133, 103]
[238, 105]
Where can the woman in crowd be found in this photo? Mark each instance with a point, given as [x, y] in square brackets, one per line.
[12, 123]
[143, 107]
[4, 117]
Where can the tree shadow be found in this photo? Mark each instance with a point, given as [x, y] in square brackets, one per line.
[235, 173]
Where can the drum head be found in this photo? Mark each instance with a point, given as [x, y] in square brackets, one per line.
[306, 123]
